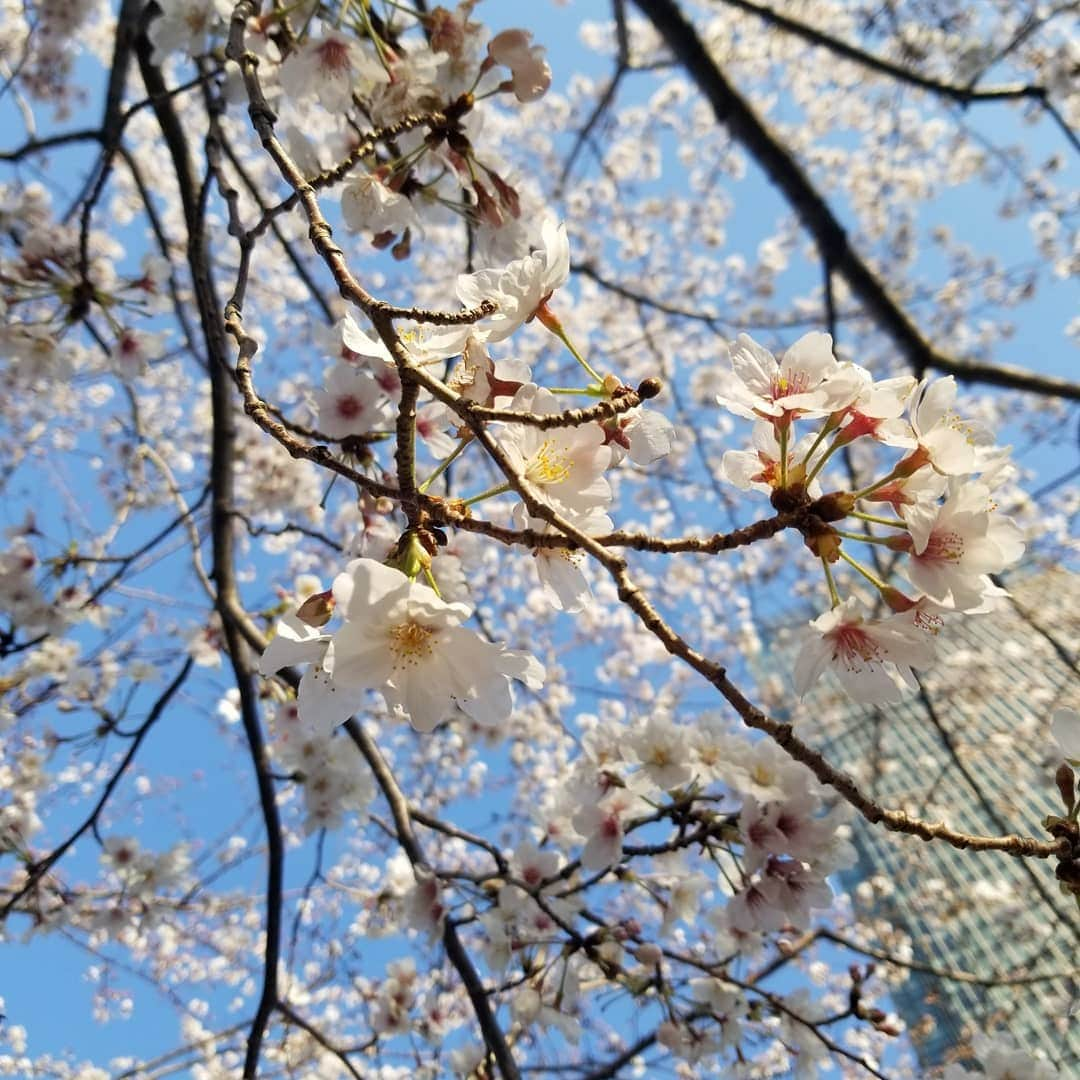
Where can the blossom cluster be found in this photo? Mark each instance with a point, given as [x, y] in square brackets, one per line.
[400, 636]
[944, 538]
[643, 855]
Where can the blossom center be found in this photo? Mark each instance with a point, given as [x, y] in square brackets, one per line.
[852, 644]
[349, 407]
[549, 465]
[410, 642]
[945, 545]
[797, 382]
[334, 55]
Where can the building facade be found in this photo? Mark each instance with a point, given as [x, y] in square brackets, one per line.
[972, 748]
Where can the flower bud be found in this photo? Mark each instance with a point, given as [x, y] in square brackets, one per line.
[316, 609]
[611, 384]
[648, 954]
[411, 557]
[649, 388]
[1066, 784]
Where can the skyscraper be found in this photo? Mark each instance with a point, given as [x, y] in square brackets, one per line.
[972, 748]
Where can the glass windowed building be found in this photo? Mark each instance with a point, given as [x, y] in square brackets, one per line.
[973, 748]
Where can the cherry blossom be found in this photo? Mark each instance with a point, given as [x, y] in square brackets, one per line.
[561, 569]
[955, 545]
[945, 440]
[872, 658]
[759, 469]
[522, 287]
[526, 865]
[369, 205]
[530, 74]
[1001, 1059]
[399, 638]
[566, 464]
[352, 403]
[186, 25]
[803, 383]
[331, 66]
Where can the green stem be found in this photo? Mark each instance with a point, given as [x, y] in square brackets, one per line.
[864, 538]
[821, 462]
[588, 391]
[431, 581]
[561, 334]
[877, 484]
[369, 29]
[896, 523]
[871, 577]
[443, 466]
[782, 438]
[497, 490]
[822, 435]
[834, 596]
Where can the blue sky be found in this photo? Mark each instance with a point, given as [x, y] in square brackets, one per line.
[215, 792]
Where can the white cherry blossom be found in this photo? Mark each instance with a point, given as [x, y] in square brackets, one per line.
[872, 659]
[797, 385]
[759, 469]
[566, 464]
[330, 65]
[369, 205]
[955, 546]
[530, 74]
[186, 25]
[520, 288]
[399, 638]
[562, 569]
[945, 440]
[352, 403]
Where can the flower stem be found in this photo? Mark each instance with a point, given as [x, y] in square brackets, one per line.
[821, 462]
[588, 391]
[819, 439]
[561, 334]
[782, 438]
[877, 484]
[443, 465]
[896, 523]
[834, 596]
[431, 581]
[871, 577]
[864, 538]
[491, 492]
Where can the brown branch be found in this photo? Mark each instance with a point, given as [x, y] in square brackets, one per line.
[1009, 979]
[319, 232]
[38, 869]
[734, 112]
[494, 1037]
[222, 453]
[294, 1017]
[963, 95]
[607, 95]
[783, 733]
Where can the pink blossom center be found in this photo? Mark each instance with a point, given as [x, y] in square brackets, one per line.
[798, 382]
[851, 643]
[333, 55]
[349, 407]
[944, 545]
